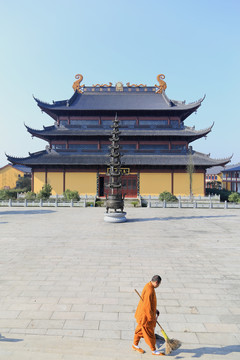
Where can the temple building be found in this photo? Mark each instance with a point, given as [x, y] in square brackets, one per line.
[155, 143]
[231, 178]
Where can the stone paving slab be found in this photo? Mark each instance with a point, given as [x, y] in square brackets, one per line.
[67, 281]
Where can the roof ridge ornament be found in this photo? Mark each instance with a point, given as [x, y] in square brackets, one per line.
[76, 85]
[135, 85]
[103, 85]
[162, 85]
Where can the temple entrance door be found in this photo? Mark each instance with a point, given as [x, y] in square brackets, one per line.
[129, 185]
[101, 186]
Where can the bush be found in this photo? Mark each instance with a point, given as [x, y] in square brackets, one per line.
[234, 197]
[24, 183]
[71, 195]
[135, 203]
[167, 196]
[99, 203]
[224, 194]
[6, 194]
[45, 193]
[30, 195]
[90, 203]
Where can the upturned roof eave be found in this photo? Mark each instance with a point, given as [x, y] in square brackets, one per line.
[44, 158]
[66, 105]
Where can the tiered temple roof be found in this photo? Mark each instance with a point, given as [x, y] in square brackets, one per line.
[58, 132]
[107, 100]
[131, 100]
[53, 157]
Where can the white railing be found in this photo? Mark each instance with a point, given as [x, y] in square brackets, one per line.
[87, 201]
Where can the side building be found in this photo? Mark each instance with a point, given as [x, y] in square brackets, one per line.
[9, 175]
[231, 178]
[155, 143]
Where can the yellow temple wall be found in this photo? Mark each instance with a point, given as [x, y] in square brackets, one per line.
[150, 183]
[38, 181]
[9, 176]
[154, 183]
[181, 184]
[55, 179]
[83, 182]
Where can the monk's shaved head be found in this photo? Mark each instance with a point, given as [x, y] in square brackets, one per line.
[157, 279]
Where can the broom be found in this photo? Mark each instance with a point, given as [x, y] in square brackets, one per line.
[171, 344]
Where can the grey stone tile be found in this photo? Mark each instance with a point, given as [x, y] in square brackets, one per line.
[100, 315]
[102, 334]
[221, 328]
[46, 324]
[68, 315]
[221, 339]
[81, 324]
[117, 325]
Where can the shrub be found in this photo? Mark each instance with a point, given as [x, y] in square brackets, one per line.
[71, 195]
[167, 196]
[30, 195]
[224, 194]
[7, 194]
[234, 197]
[99, 203]
[90, 203]
[45, 193]
[135, 203]
[24, 183]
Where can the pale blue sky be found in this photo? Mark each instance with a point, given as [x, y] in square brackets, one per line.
[194, 43]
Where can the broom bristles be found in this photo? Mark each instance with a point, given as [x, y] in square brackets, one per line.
[171, 345]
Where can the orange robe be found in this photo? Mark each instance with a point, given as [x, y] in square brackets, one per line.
[146, 317]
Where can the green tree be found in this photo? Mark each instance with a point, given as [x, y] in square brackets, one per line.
[190, 170]
[167, 196]
[6, 194]
[45, 193]
[71, 195]
[24, 183]
[234, 197]
[30, 195]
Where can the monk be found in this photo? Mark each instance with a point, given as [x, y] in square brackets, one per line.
[146, 316]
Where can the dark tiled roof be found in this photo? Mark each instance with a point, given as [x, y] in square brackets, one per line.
[117, 101]
[54, 158]
[230, 168]
[54, 131]
[214, 170]
[23, 168]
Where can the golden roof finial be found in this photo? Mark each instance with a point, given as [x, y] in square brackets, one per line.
[76, 85]
[162, 85]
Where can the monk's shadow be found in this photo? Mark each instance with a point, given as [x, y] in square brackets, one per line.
[159, 341]
[3, 338]
[197, 353]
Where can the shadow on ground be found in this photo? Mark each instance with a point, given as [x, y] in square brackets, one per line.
[197, 353]
[26, 212]
[178, 218]
[3, 338]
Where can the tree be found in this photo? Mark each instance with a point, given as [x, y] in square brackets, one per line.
[24, 183]
[234, 197]
[190, 170]
[45, 193]
[71, 195]
[167, 196]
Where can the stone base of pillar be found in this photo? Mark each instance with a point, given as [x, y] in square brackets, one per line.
[115, 217]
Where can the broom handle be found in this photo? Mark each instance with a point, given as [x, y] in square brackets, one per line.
[156, 320]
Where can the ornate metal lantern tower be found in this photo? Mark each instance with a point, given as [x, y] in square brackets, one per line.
[115, 200]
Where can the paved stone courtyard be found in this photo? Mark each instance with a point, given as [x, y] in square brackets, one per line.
[67, 282]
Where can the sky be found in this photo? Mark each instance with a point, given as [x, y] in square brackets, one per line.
[44, 44]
